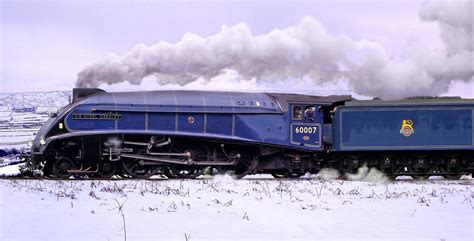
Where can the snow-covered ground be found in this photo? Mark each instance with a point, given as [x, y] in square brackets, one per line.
[16, 138]
[21, 114]
[226, 209]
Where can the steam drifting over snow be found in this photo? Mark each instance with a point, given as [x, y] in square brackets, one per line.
[300, 52]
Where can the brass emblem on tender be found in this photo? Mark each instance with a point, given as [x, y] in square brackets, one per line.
[191, 120]
[407, 128]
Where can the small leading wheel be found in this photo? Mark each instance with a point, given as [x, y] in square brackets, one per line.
[48, 168]
[106, 169]
[133, 168]
[62, 165]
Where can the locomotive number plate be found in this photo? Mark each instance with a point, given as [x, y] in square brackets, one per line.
[305, 134]
[306, 129]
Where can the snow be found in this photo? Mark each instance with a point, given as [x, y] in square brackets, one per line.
[16, 138]
[14, 115]
[11, 170]
[226, 209]
[38, 99]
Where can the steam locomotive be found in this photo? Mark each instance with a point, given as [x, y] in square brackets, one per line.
[183, 134]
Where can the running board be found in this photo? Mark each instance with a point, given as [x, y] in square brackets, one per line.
[149, 160]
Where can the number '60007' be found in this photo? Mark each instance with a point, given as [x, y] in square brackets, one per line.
[306, 129]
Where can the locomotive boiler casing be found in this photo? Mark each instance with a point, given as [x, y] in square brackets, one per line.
[238, 117]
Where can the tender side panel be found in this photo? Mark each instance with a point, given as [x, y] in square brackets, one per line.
[403, 128]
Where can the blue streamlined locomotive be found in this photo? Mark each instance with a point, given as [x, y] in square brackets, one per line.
[186, 133]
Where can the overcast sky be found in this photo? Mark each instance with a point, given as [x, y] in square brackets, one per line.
[45, 45]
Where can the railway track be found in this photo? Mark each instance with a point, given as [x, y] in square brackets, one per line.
[466, 180]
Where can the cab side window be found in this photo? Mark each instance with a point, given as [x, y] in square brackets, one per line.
[297, 112]
[310, 112]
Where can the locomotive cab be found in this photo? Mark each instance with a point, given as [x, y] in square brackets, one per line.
[305, 125]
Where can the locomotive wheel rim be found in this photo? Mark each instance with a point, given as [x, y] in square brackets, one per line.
[107, 170]
[245, 166]
[61, 166]
[286, 174]
[132, 168]
[197, 153]
[122, 173]
[174, 172]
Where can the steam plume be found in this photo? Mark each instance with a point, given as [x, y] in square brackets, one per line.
[305, 50]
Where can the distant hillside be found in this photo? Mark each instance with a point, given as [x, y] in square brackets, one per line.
[34, 99]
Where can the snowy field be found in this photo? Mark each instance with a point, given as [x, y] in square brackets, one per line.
[16, 138]
[226, 209]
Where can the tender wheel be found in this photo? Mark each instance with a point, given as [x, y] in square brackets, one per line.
[106, 170]
[452, 177]
[133, 168]
[420, 174]
[61, 166]
[420, 177]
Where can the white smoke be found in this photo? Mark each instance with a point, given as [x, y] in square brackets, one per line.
[367, 174]
[329, 174]
[455, 21]
[301, 52]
